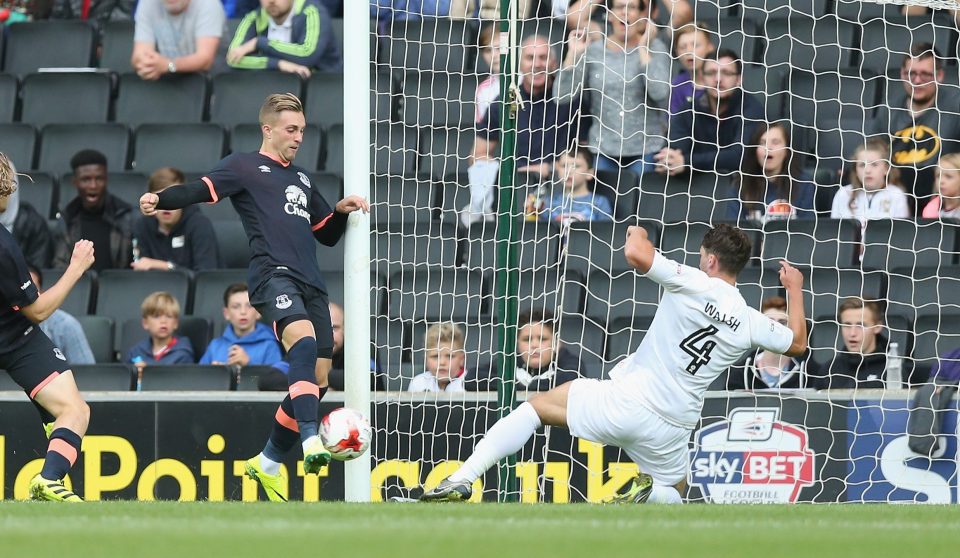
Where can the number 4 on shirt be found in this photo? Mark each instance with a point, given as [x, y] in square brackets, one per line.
[701, 354]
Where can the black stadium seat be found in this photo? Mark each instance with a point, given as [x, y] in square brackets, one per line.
[208, 290]
[247, 137]
[100, 335]
[232, 243]
[436, 294]
[236, 97]
[188, 147]
[65, 98]
[537, 248]
[116, 46]
[625, 295]
[186, 378]
[59, 142]
[890, 244]
[83, 295]
[8, 97]
[173, 99]
[595, 245]
[28, 46]
[827, 243]
[19, 143]
[38, 189]
[104, 377]
[825, 43]
[127, 289]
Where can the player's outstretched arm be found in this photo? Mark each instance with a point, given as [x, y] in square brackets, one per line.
[175, 197]
[51, 299]
[639, 251]
[792, 281]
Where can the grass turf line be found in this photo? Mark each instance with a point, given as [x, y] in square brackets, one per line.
[237, 530]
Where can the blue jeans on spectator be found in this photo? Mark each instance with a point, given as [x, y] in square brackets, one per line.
[638, 164]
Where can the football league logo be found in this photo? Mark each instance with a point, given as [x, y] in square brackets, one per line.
[284, 302]
[751, 458]
[296, 202]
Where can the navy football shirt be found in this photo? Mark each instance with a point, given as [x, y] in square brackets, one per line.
[280, 212]
[16, 291]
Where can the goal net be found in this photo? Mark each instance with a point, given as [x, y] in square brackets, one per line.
[824, 94]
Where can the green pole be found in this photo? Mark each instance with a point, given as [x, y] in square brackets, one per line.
[506, 263]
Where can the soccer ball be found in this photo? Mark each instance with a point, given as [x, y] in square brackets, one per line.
[346, 433]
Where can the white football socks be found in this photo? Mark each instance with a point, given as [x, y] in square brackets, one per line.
[664, 495]
[504, 438]
[269, 466]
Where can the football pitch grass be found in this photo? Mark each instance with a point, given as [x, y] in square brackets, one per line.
[263, 530]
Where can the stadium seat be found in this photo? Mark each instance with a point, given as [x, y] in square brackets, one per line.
[624, 295]
[437, 294]
[414, 244]
[249, 379]
[831, 96]
[59, 142]
[232, 243]
[857, 10]
[329, 185]
[220, 211]
[236, 97]
[65, 98]
[116, 46]
[757, 284]
[7, 383]
[333, 152]
[445, 152]
[104, 377]
[400, 200]
[82, 297]
[100, 335]
[185, 377]
[173, 99]
[537, 245]
[430, 44]
[37, 189]
[208, 288]
[334, 281]
[761, 10]
[681, 241]
[885, 42]
[834, 143]
[767, 85]
[822, 44]
[625, 336]
[8, 97]
[19, 143]
[826, 243]
[194, 328]
[188, 147]
[826, 287]
[394, 150]
[622, 188]
[440, 101]
[127, 289]
[392, 348]
[599, 245]
[584, 338]
[28, 45]
[936, 336]
[324, 102]
[548, 288]
[890, 244]
[245, 138]
[924, 291]
[742, 36]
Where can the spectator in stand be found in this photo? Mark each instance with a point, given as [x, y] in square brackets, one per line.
[711, 136]
[336, 376]
[445, 371]
[96, 215]
[628, 76]
[766, 370]
[292, 36]
[873, 192]
[488, 90]
[771, 185]
[176, 36]
[161, 318]
[692, 45]
[863, 362]
[573, 199]
[64, 330]
[923, 124]
[946, 203]
[543, 127]
[29, 228]
[667, 13]
[97, 11]
[245, 341]
[543, 363]
[388, 11]
[174, 238]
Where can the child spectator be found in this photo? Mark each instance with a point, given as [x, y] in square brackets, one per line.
[488, 90]
[575, 201]
[161, 318]
[692, 44]
[771, 185]
[863, 362]
[173, 238]
[946, 203]
[443, 344]
[543, 363]
[873, 192]
[245, 341]
[766, 370]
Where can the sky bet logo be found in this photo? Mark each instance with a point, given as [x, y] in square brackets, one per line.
[752, 457]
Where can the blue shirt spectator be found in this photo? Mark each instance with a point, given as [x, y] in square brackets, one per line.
[260, 345]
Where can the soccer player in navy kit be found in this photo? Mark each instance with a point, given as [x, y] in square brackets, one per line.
[31, 358]
[281, 214]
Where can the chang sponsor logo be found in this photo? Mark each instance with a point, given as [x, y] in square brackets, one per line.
[296, 202]
[751, 457]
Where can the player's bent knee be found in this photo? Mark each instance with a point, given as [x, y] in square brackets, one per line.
[292, 329]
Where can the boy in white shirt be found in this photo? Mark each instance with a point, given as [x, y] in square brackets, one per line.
[652, 402]
[443, 344]
[872, 192]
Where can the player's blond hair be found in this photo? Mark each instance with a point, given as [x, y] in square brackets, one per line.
[8, 177]
[160, 303]
[443, 334]
[277, 103]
